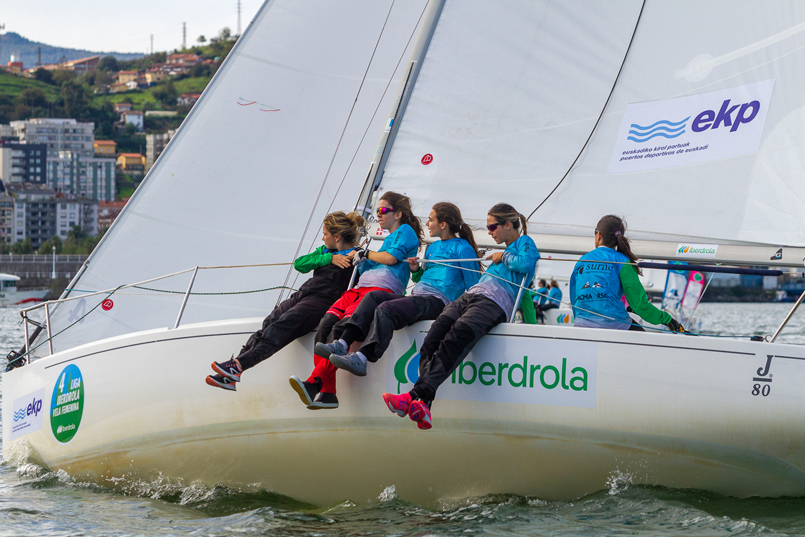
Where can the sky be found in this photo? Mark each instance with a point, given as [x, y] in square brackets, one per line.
[122, 26]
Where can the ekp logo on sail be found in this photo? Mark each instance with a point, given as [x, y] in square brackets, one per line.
[688, 130]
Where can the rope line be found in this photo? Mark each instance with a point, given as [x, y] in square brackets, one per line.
[568, 303]
[214, 294]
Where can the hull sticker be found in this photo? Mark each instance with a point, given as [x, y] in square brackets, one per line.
[28, 414]
[67, 404]
[514, 370]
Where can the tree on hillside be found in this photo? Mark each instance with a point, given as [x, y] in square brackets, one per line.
[166, 93]
[33, 97]
[60, 76]
[225, 33]
[43, 75]
[74, 100]
[201, 39]
[108, 63]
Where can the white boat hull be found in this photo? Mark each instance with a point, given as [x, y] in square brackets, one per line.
[658, 408]
[13, 297]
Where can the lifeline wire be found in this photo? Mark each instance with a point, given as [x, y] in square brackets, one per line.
[562, 301]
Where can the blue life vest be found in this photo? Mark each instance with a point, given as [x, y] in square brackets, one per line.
[555, 296]
[595, 288]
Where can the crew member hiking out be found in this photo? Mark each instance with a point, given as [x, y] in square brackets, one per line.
[467, 319]
[437, 284]
[301, 313]
[384, 271]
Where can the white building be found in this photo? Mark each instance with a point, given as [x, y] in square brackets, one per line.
[87, 177]
[154, 145]
[135, 117]
[57, 134]
[76, 212]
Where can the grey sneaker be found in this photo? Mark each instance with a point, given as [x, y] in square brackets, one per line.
[352, 362]
[326, 349]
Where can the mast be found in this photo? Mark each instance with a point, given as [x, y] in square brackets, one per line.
[420, 48]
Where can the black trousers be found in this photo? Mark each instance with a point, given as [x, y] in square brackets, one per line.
[542, 308]
[392, 314]
[292, 319]
[451, 338]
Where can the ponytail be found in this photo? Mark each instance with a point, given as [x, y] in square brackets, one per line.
[613, 235]
[403, 204]
[504, 212]
[451, 215]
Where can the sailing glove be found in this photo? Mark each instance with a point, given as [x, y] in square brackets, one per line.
[359, 256]
[674, 326]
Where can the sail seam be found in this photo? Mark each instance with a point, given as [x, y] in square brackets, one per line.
[600, 116]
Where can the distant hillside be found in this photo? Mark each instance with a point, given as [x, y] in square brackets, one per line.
[26, 51]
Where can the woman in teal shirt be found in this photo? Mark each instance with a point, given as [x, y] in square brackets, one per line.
[596, 288]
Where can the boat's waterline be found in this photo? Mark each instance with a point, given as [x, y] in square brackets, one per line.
[664, 409]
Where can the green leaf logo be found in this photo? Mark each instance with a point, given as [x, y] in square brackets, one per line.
[399, 367]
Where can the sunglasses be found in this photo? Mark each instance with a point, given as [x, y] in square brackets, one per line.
[384, 210]
[493, 227]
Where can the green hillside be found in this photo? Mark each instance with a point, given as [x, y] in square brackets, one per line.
[12, 86]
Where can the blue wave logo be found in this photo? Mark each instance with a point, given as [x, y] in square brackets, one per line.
[664, 128]
[19, 414]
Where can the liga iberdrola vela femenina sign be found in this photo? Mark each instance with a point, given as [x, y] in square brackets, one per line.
[689, 130]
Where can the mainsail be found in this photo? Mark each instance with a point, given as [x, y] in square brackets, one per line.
[714, 108]
[281, 136]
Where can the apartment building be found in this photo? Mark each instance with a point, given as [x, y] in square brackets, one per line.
[57, 134]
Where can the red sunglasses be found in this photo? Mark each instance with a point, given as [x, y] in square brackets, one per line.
[493, 227]
[384, 210]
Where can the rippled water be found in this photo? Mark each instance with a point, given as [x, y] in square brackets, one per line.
[37, 502]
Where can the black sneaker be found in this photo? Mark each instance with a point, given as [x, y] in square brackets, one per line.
[324, 400]
[229, 369]
[221, 382]
[307, 391]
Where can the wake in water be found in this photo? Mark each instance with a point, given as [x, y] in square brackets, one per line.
[56, 504]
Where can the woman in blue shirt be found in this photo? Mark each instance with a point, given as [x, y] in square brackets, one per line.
[596, 288]
[385, 271]
[380, 314]
[466, 320]
[552, 301]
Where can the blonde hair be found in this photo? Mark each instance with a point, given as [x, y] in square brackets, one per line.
[348, 226]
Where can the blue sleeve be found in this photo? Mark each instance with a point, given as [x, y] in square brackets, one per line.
[404, 241]
[472, 270]
[526, 256]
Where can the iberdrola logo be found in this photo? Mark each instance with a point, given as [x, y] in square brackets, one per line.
[406, 370]
[684, 249]
[563, 318]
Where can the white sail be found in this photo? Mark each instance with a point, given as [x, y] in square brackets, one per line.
[290, 117]
[513, 123]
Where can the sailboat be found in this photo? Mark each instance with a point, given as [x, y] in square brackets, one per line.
[567, 110]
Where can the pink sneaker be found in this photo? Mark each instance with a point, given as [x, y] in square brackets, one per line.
[420, 413]
[398, 403]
